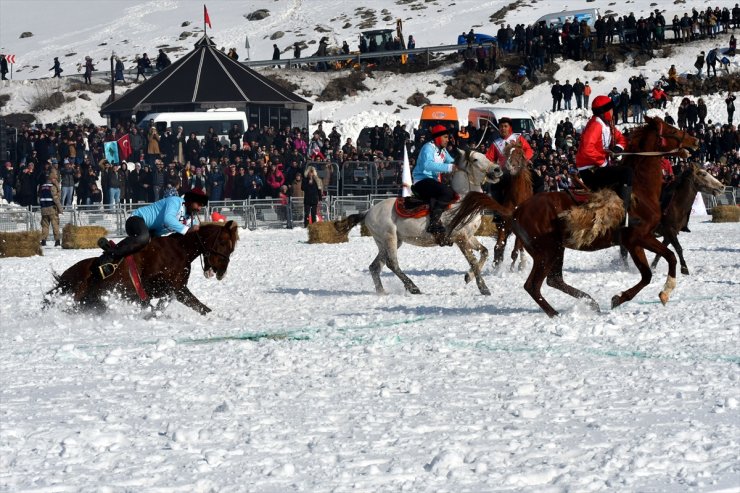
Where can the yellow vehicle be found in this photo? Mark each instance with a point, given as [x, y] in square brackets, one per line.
[442, 114]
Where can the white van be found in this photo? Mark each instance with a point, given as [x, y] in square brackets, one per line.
[521, 121]
[222, 120]
[557, 19]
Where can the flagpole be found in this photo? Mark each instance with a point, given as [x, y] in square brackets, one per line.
[205, 31]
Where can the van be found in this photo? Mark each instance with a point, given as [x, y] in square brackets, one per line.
[557, 19]
[439, 114]
[222, 120]
[521, 121]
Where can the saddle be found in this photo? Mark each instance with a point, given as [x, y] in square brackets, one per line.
[414, 207]
[580, 196]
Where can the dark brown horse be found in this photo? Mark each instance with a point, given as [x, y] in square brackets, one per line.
[541, 225]
[163, 265]
[518, 190]
[682, 193]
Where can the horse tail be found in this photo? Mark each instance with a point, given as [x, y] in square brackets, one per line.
[344, 226]
[473, 204]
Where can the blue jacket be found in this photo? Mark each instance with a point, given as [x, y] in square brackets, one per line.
[431, 161]
[166, 216]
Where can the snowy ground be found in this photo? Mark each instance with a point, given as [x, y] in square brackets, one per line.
[303, 379]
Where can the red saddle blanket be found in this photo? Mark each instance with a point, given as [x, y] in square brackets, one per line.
[414, 207]
[133, 273]
[580, 196]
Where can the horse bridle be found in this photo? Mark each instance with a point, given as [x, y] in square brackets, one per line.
[468, 152]
[663, 138]
[205, 253]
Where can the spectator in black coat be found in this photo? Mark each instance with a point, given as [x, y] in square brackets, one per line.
[312, 191]
[57, 68]
[578, 92]
[567, 89]
[557, 96]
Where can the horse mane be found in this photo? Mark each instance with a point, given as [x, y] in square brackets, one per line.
[206, 228]
[638, 134]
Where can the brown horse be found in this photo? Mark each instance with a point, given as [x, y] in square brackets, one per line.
[541, 225]
[164, 269]
[518, 190]
[675, 215]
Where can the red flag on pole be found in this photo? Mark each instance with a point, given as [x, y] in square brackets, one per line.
[124, 147]
[206, 19]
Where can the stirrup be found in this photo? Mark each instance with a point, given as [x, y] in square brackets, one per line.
[106, 270]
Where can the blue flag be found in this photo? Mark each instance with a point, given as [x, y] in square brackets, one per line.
[111, 152]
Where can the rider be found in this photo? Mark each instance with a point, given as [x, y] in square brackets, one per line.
[600, 141]
[434, 159]
[166, 216]
[495, 153]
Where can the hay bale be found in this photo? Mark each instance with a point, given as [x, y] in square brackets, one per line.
[20, 244]
[325, 232]
[487, 227]
[77, 237]
[364, 231]
[726, 214]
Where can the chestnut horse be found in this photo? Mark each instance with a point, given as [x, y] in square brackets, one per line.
[519, 190]
[540, 225]
[675, 215]
[164, 269]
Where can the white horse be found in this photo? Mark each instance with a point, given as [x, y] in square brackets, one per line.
[390, 230]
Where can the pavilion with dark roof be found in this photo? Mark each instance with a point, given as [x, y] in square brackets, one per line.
[207, 78]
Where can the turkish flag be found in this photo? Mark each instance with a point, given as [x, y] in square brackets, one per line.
[206, 19]
[124, 147]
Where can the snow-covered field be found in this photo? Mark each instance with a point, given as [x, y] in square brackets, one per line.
[303, 379]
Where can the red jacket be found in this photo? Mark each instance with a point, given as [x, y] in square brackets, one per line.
[596, 140]
[494, 153]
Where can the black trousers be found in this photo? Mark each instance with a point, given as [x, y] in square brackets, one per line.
[607, 177]
[428, 189]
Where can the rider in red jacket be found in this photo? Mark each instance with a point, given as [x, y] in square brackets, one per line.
[599, 142]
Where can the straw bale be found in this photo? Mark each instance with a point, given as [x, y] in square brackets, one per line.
[325, 232]
[487, 227]
[20, 244]
[77, 237]
[726, 214]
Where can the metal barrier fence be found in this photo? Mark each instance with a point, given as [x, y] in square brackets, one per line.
[252, 214]
[370, 177]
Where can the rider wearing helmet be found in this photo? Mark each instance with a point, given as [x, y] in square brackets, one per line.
[599, 142]
[166, 216]
[434, 159]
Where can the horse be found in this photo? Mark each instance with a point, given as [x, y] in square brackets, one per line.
[518, 190]
[163, 266]
[682, 193]
[542, 222]
[390, 231]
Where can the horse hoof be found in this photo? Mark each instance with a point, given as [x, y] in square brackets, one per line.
[414, 290]
[485, 292]
[467, 278]
[595, 307]
[616, 301]
[663, 297]
[685, 271]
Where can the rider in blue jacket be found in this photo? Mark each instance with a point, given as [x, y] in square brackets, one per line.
[434, 159]
[163, 217]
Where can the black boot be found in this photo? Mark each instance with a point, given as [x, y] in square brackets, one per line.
[43, 242]
[435, 218]
[57, 243]
[108, 262]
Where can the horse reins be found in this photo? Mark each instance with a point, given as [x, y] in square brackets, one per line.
[659, 153]
[207, 252]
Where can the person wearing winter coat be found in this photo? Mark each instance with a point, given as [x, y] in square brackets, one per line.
[119, 70]
[8, 176]
[142, 64]
[692, 116]
[152, 147]
[3, 67]
[730, 102]
[89, 67]
[712, 62]
[567, 89]
[57, 68]
[557, 96]
[215, 181]
[275, 179]
[275, 54]
[312, 186]
[163, 61]
[701, 108]
[699, 64]
[51, 207]
[578, 89]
